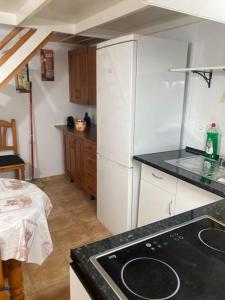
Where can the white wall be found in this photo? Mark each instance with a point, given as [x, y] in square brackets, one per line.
[51, 106]
[204, 105]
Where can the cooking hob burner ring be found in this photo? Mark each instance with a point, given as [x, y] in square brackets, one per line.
[150, 278]
[213, 238]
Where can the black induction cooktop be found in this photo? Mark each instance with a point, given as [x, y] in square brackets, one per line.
[187, 262]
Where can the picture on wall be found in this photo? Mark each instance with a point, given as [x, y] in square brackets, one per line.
[22, 81]
[47, 65]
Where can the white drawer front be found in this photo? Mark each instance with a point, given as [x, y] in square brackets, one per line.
[160, 179]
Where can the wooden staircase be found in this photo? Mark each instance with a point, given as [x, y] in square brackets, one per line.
[26, 42]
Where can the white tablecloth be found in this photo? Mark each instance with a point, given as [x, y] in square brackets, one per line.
[24, 233]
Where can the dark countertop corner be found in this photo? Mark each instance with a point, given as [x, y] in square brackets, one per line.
[89, 275]
[158, 161]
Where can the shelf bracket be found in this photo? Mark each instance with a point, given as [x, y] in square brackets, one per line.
[206, 75]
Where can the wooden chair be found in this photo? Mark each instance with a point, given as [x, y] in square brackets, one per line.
[10, 162]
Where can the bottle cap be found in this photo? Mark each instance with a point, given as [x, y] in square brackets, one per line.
[213, 125]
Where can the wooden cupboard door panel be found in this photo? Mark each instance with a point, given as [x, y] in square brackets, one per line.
[73, 157]
[66, 140]
[90, 164]
[92, 75]
[82, 75]
[79, 161]
[154, 204]
[90, 147]
[78, 75]
[72, 70]
[91, 184]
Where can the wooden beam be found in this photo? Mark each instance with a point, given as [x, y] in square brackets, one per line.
[25, 61]
[10, 36]
[15, 47]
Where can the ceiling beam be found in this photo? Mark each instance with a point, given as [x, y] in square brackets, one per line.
[50, 24]
[7, 18]
[114, 12]
[29, 9]
[210, 9]
[167, 25]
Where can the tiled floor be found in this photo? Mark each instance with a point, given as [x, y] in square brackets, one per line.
[72, 223]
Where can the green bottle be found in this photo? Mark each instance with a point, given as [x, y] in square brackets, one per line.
[211, 149]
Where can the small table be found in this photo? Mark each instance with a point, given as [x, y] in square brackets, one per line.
[24, 233]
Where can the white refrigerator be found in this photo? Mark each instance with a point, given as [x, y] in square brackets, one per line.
[139, 110]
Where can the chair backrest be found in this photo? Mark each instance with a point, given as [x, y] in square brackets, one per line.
[5, 127]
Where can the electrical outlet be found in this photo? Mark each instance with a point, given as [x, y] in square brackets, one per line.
[200, 127]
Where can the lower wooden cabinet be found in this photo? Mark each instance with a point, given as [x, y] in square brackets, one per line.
[80, 160]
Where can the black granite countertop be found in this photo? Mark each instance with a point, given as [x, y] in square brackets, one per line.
[158, 161]
[91, 278]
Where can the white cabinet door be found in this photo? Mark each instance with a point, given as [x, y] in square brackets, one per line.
[154, 204]
[77, 290]
[190, 197]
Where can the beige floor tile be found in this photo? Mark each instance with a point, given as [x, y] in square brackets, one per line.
[53, 270]
[70, 237]
[72, 223]
[86, 214]
[96, 230]
[59, 291]
[62, 220]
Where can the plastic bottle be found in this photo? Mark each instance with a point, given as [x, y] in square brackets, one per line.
[211, 149]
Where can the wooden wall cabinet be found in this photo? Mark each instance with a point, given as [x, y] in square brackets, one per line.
[80, 160]
[82, 75]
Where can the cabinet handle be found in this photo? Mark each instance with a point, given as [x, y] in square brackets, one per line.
[170, 207]
[156, 176]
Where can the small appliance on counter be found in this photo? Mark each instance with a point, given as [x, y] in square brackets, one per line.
[70, 122]
[80, 125]
[87, 119]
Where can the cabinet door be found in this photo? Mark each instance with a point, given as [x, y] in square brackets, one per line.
[73, 157]
[190, 197]
[154, 204]
[79, 161]
[92, 75]
[90, 174]
[78, 75]
[66, 140]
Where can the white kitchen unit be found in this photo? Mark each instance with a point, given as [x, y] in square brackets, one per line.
[163, 195]
[77, 290]
[135, 92]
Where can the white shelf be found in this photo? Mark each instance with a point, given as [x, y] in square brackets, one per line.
[201, 69]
